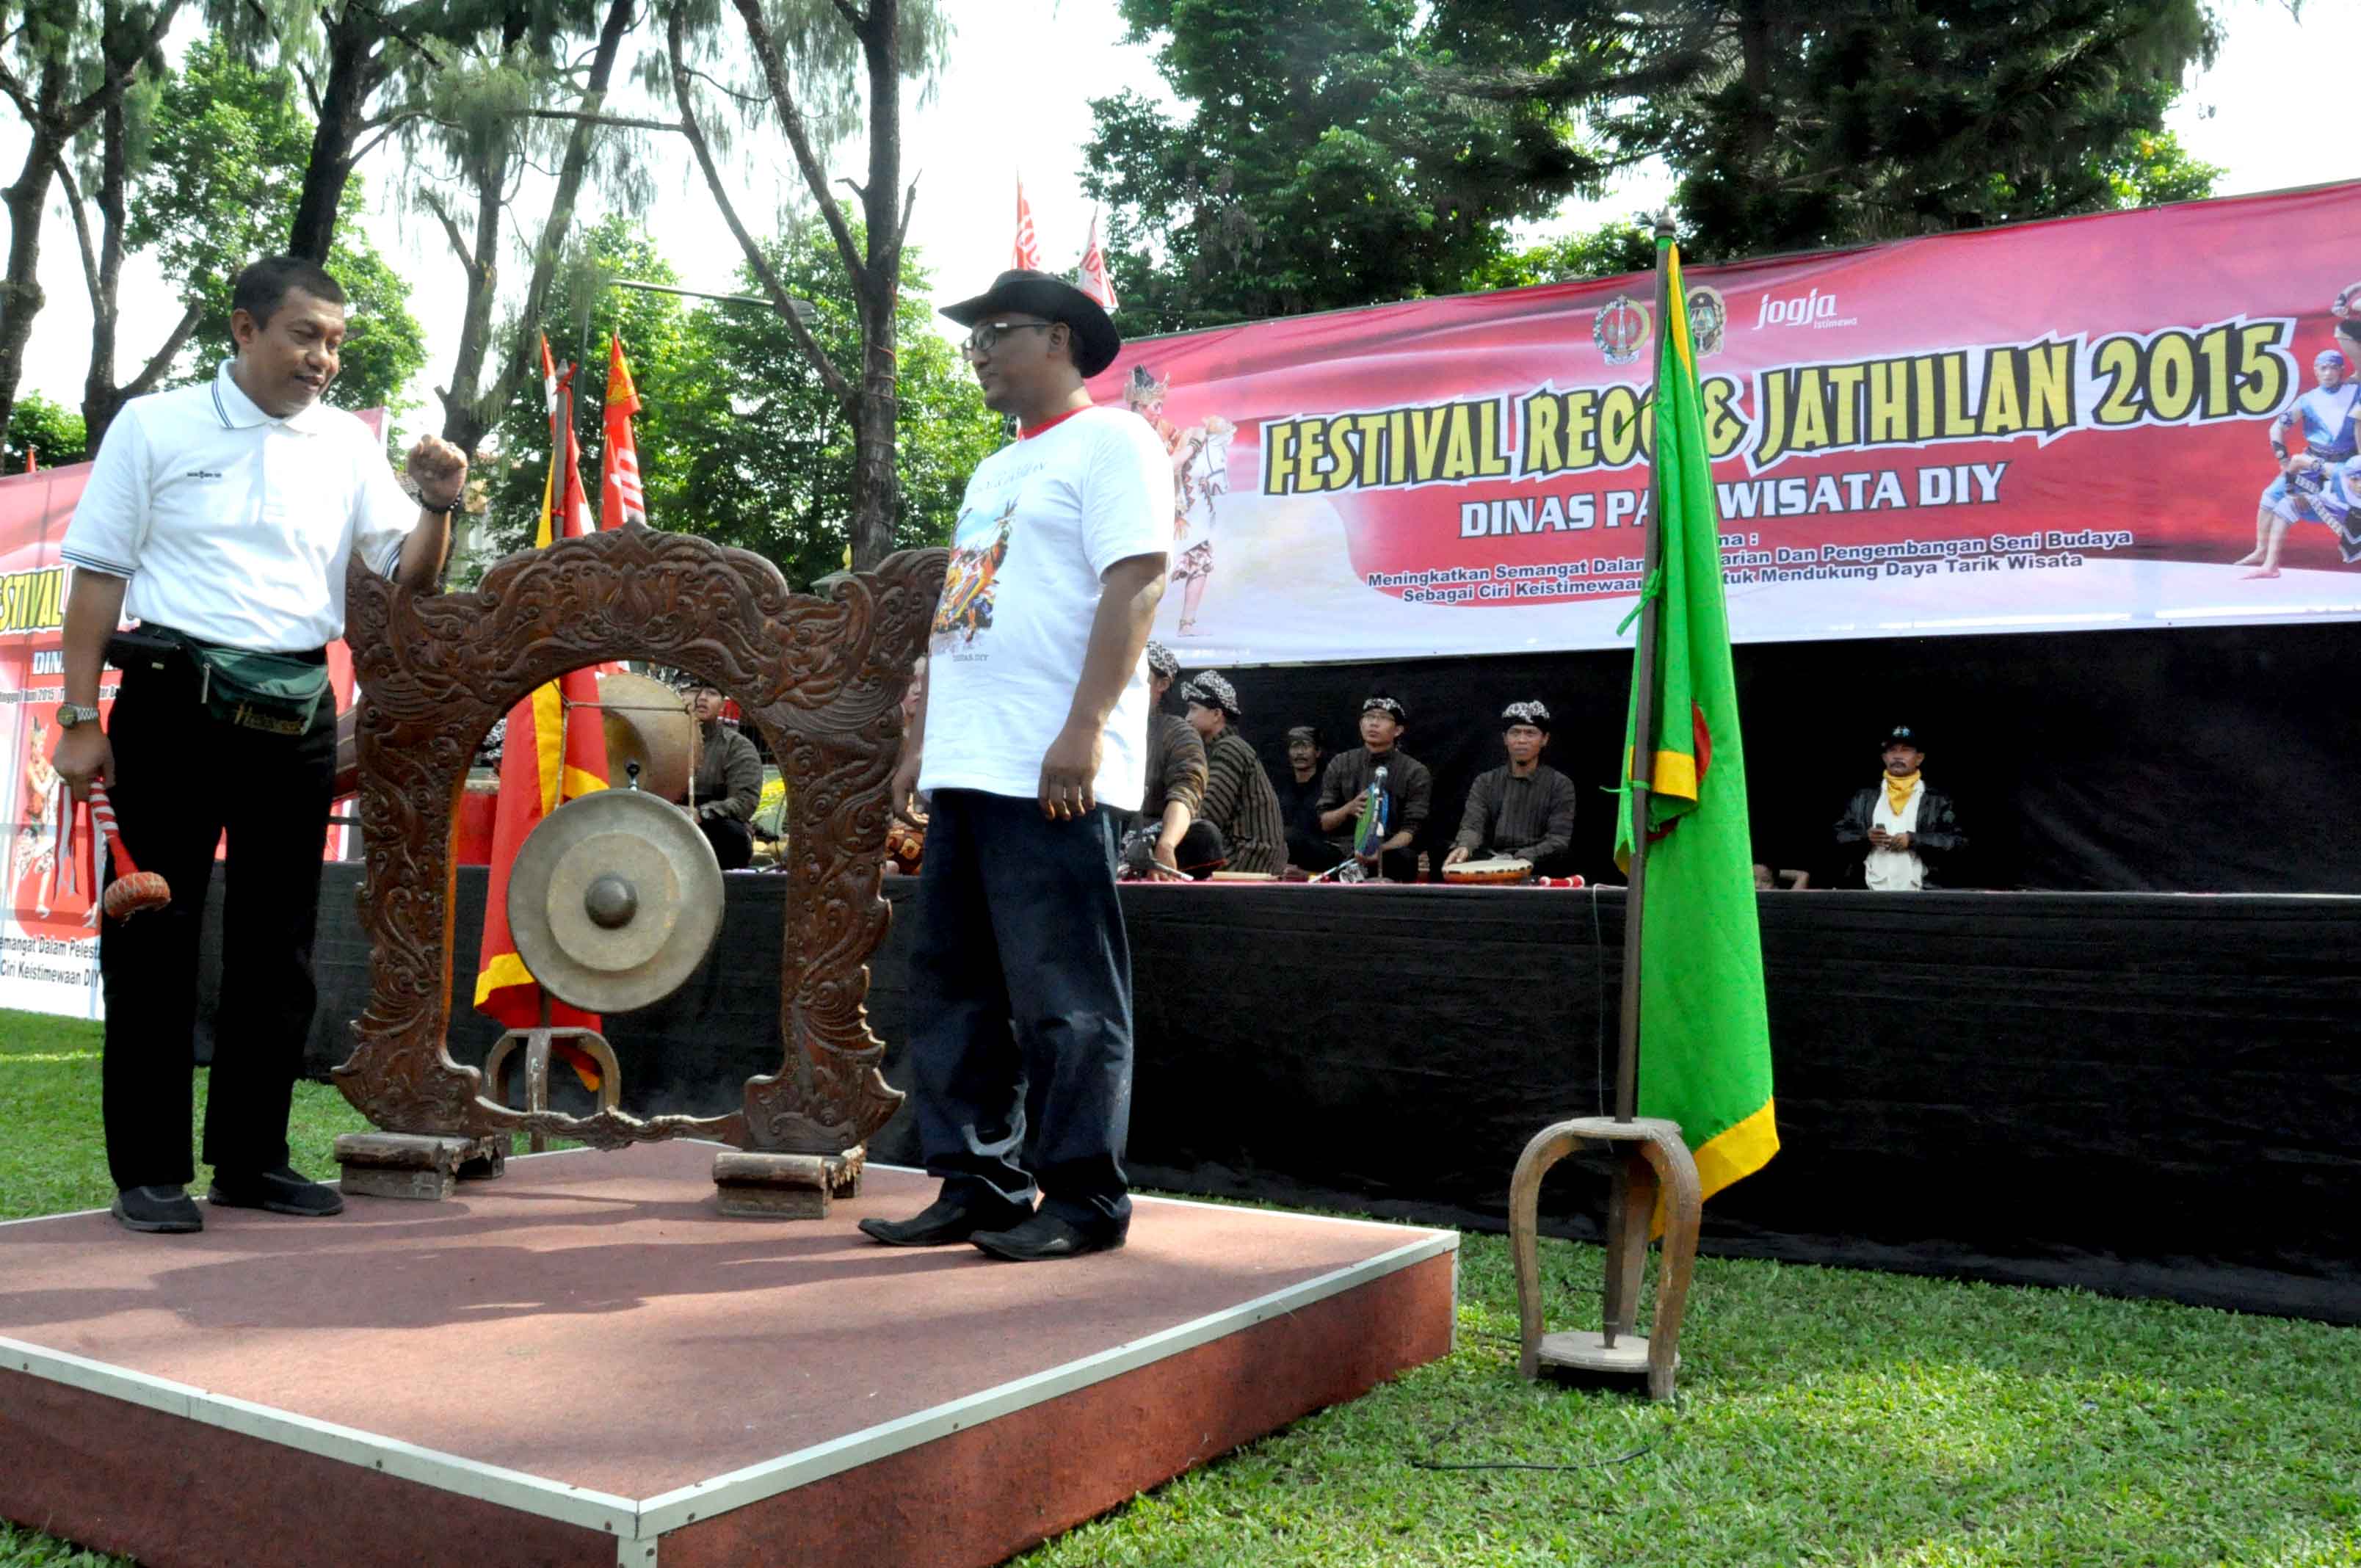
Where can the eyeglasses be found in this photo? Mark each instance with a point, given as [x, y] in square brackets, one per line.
[980, 341]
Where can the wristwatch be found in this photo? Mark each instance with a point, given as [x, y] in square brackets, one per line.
[69, 715]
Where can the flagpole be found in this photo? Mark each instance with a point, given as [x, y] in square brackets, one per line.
[1643, 762]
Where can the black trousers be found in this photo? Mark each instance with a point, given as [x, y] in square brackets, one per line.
[1020, 981]
[1311, 852]
[183, 779]
[733, 841]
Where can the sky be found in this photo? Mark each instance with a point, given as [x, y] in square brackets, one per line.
[1016, 99]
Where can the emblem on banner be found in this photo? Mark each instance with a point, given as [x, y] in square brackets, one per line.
[1708, 316]
[1621, 329]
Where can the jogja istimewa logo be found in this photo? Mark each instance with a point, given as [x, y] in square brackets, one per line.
[1621, 329]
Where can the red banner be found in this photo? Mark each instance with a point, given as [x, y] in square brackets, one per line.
[2065, 425]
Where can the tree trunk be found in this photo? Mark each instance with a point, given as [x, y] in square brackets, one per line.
[876, 487]
[1754, 41]
[470, 411]
[100, 395]
[357, 66]
[53, 120]
[20, 294]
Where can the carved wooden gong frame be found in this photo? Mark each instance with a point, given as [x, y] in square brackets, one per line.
[823, 678]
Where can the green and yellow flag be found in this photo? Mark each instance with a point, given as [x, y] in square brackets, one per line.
[1705, 1044]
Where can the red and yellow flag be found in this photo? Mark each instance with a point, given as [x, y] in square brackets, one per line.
[545, 760]
[621, 499]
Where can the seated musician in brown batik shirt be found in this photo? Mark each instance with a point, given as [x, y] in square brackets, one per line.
[1523, 811]
[1239, 797]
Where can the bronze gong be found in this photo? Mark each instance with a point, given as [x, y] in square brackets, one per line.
[614, 900]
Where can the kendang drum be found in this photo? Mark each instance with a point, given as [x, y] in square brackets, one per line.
[1499, 871]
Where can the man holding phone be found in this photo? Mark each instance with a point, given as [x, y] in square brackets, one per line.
[1900, 827]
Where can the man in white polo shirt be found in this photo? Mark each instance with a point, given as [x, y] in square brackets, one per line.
[221, 518]
[1033, 728]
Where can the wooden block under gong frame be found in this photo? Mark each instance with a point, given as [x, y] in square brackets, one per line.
[783, 1186]
[412, 1166]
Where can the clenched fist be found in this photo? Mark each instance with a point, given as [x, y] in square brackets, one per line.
[439, 470]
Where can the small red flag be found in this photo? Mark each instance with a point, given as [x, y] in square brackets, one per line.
[1095, 282]
[1027, 254]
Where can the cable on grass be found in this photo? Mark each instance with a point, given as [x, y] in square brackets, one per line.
[1419, 1464]
[1525, 1464]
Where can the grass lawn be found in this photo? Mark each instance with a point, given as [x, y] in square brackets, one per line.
[1826, 1416]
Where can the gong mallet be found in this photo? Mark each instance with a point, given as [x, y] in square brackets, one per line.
[134, 890]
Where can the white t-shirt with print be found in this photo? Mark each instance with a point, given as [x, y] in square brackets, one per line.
[1042, 520]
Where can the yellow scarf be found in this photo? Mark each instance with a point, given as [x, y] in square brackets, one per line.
[1898, 788]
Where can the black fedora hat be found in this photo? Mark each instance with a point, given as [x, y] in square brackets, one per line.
[1096, 342]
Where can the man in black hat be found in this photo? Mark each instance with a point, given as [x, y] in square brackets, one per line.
[1406, 786]
[1525, 810]
[1032, 731]
[1898, 830]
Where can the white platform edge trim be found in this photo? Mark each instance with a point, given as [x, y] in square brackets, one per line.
[671, 1510]
[643, 1523]
[369, 1451]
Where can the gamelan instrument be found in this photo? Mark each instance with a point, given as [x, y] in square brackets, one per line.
[649, 724]
[1499, 871]
[614, 900]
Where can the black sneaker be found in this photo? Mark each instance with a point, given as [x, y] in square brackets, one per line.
[285, 1191]
[1045, 1235]
[165, 1210]
[950, 1218]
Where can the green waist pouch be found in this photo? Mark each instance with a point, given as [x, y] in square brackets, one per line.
[278, 694]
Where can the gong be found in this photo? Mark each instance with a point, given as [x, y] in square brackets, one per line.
[647, 723]
[614, 900]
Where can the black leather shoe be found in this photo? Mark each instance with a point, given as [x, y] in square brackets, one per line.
[282, 1191]
[950, 1218]
[166, 1211]
[1045, 1235]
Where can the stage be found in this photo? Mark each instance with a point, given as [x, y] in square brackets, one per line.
[2140, 1094]
[581, 1364]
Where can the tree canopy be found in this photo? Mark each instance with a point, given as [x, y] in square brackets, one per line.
[224, 172]
[738, 438]
[1346, 152]
[1796, 126]
[1329, 157]
[46, 428]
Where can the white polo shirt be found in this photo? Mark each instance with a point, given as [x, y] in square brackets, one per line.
[233, 526]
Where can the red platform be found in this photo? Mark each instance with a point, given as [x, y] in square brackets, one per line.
[582, 1364]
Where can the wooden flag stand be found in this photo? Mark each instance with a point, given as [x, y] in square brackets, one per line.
[1656, 1166]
